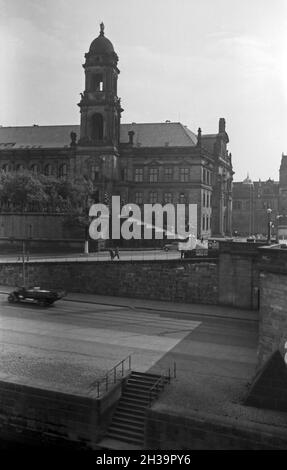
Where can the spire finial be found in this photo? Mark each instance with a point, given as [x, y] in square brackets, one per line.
[102, 29]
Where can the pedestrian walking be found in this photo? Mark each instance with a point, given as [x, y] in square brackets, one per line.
[117, 253]
[112, 254]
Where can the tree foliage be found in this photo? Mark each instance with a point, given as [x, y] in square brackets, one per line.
[25, 192]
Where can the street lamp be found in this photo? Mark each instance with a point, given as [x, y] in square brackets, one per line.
[269, 224]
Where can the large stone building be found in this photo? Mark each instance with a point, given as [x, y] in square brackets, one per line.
[255, 201]
[142, 162]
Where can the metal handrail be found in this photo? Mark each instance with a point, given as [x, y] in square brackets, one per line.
[102, 385]
[162, 380]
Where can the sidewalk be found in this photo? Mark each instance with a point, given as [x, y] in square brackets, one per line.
[219, 311]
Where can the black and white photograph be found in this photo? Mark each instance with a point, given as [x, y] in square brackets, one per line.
[143, 228]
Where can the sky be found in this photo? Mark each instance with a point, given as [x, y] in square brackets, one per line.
[192, 61]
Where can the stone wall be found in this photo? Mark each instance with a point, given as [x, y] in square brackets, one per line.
[167, 430]
[239, 275]
[273, 304]
[37, 416]
[170, 280]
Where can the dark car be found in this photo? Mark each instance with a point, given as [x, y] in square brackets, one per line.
[43, 297]
[170, 246]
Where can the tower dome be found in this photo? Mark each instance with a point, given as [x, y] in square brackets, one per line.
[247, 180]
[101, 45]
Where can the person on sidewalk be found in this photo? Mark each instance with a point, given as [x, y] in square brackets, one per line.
[117, 253]
[112, 254]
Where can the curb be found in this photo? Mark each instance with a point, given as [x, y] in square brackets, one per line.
[156, 309]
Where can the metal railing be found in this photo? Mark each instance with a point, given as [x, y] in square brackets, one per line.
[159, 385]
[111, 377]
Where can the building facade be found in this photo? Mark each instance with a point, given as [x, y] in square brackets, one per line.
[141, 162]
[253, 201]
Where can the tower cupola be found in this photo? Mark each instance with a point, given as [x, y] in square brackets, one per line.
[100, 106]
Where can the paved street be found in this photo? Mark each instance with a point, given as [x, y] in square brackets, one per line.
[72, 343]
[100, 256]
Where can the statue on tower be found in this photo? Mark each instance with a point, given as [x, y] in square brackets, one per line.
[102, 31]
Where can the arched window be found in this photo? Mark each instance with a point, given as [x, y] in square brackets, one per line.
[6, 167]
[97, 82]
[48, 170]
[63, 171]
[19, 167]
[97, 127]
[34, 169]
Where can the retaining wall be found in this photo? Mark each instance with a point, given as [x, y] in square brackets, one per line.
[169, 280]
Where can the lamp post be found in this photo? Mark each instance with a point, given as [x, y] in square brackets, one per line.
[269, 223]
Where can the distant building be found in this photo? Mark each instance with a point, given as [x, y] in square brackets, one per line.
[251, 199]
[142, 162]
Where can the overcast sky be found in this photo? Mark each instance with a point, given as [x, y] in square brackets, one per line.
[192, 61]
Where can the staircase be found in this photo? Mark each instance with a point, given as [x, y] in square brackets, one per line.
[129, 418]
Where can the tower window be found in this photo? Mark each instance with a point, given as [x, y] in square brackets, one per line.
[97, 82]
[97, 127]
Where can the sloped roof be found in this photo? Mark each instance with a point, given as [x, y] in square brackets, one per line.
[172, 134]
[36, 136]
[159, 134]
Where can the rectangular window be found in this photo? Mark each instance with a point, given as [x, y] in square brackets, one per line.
[203, 222]
[153, 197]
[204, 175]
[203, 203]
[153, 175]
[207, 221]
[167, 198]
[184, 175]
[139, 175]
[168, 173]
[139, 198]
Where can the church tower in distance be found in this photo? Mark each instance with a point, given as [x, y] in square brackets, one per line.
[100, 106]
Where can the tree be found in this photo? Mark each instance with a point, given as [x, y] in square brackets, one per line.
[24, 191]
[21, 192]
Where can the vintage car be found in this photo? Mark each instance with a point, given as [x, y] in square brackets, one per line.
[43, 297]
[172, 246]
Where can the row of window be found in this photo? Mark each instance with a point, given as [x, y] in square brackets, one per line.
[153, 176]
[206, 222]
[49, 170]
[206, 199]
[206, 176]
[245, 205]
[155, 197]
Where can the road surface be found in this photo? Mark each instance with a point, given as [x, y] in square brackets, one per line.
[71, 344]
[100, 256]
